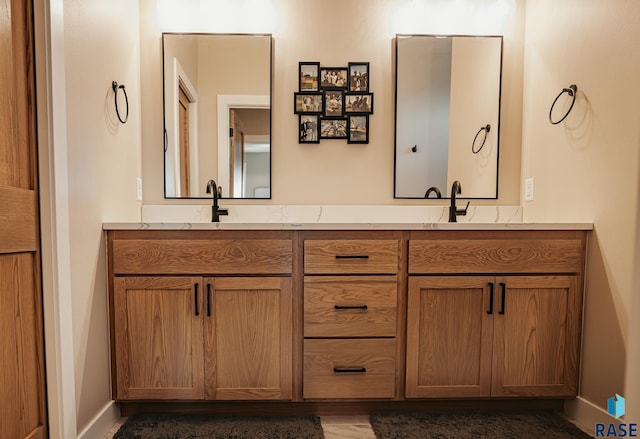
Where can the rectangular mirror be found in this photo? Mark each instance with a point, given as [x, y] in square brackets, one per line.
[217, 114]
[447, 115]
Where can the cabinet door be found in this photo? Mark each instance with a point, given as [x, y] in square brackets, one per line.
[158, 338]
[449, 337]
[248, 338]
[536, 336]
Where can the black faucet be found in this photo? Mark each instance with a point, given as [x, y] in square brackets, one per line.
[212, 187]
[456, 189]
[433, 190]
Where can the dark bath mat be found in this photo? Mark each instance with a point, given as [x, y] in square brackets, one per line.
[512, 425]
[214, 427]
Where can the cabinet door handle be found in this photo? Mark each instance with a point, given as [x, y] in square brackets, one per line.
[350, 306]
[208, 299]
[503, 287]
[195, 294]
[349, 370]
[352, 256]
[491, 287]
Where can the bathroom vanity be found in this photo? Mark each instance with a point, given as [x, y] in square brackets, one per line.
[362, 315]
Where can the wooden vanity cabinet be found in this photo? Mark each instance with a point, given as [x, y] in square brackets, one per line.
[350, 315]
[498, 315]
[338, 317]
[222, 330]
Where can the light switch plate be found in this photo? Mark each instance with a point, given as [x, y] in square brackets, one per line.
[528, 189]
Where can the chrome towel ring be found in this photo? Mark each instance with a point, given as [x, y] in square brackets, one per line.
[115, 87]
[486, 130]
[571, 91]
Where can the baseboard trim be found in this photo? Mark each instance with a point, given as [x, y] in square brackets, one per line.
[102, 423]
[586, 415]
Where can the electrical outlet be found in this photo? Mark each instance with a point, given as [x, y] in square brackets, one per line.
[528, 189]
[139, 188]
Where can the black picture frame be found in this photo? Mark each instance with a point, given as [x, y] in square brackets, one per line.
[334, 78]
[308, 103]
[308, 76]
[358, 77]
[309, 128]
[358, 125]
[358, 103]
[333, 103]
[333, 128]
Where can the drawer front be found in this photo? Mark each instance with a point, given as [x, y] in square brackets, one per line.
[495, 256]
[351, 256]
[349, 368]
[202, 256]
[350, 306]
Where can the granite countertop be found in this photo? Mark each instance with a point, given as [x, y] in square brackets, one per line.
[344, 226]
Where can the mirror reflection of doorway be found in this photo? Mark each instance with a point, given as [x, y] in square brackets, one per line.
[237, 160]
[183, 109]
[249, 157]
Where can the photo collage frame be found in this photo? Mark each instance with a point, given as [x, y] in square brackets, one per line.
[333, 102]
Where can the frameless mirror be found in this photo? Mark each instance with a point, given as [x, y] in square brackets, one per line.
[217, 114]
[447, 115]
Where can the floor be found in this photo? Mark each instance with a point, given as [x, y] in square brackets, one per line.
[335, 427]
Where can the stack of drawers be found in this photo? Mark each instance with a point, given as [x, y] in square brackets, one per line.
[350, 300]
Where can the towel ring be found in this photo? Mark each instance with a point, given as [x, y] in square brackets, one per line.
[115, 87]
[486, 130]
[571, 91]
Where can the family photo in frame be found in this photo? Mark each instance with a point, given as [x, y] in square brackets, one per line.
[333, 77]
[309, 128]
[308, 103]
[358, 103]
[359, 76]
[333, 102]
[358, 129]
[309, 74]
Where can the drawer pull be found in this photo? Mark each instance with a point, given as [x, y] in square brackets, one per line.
[350, 306]
[209, 299]
[349, 370]
[352, 256]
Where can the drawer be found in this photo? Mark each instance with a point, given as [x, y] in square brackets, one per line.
[495, 256]
[202, 256]
[351, 256]
[349, 368]
[350, 306]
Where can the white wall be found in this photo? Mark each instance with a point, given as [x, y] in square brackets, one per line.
[100, 46]
[588, 169]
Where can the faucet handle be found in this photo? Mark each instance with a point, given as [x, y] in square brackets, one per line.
[223, 211]
[463, 212]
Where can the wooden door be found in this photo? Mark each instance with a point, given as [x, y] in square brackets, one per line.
[22, 377]
[536, 336]
[248, 338]
[449, 337]
[159, 339]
